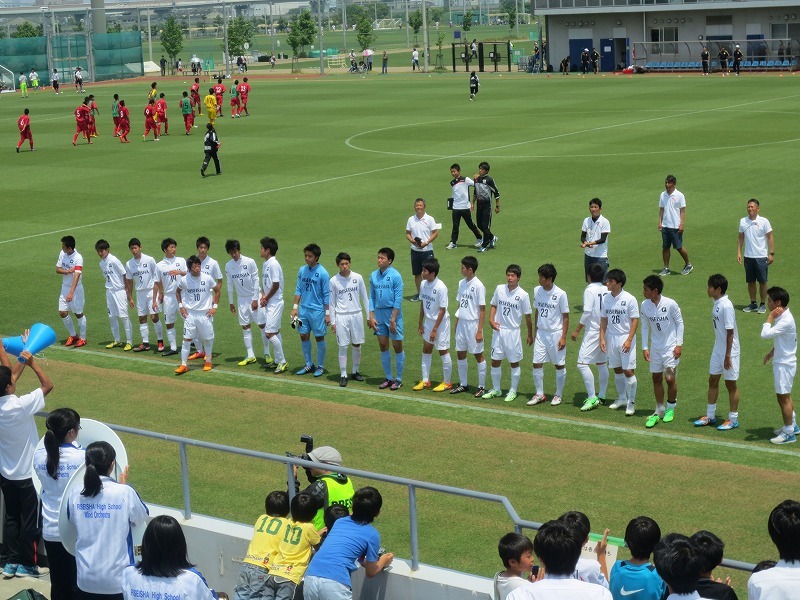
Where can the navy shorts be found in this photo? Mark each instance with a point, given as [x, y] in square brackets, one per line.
[755, 269]
[417, 258]
[671, 237]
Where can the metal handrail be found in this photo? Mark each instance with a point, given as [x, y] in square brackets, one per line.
[290, 461]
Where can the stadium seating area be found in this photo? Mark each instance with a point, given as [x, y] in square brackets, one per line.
[747, 65]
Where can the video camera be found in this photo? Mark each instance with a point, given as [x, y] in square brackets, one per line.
[309, 442]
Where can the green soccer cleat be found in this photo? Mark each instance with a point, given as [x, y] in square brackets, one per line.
[590, 403]
[492, 394]
[669, 416]
[652, 421]
[511, 396]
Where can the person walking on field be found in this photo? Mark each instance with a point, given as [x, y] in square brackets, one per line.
[211, 145]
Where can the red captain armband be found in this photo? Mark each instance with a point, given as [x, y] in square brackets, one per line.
[78, 268]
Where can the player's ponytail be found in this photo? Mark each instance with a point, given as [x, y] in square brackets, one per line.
[100, 458]
[59, 423]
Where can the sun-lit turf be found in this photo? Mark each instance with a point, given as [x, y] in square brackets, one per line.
[339, 161]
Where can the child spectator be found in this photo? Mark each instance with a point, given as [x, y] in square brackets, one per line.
[679, 565]
[287, 567]
[516, 552]
[782, 581]
[637, 578]
[710, 548]
[353, 537]
[558, 546]
[332, 514]
[588, 569]
[267, 534]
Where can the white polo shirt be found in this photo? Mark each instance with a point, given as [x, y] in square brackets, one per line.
[755, 236]
[18, 435]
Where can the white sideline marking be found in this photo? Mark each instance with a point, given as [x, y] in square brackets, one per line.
[373, 171]
[567, 134]
[291, 379]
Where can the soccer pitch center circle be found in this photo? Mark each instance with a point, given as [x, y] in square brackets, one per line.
[577, 143]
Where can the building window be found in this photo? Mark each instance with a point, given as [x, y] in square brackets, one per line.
[662, 40]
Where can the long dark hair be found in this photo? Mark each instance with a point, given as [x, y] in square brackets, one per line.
[164, 552]
[99, 458]
[59, 423]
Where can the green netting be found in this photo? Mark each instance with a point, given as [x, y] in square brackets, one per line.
[68, 52]
[22, 54]
[117, 55]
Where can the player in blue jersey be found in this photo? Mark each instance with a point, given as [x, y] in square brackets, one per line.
[311, 300]
[386, 316]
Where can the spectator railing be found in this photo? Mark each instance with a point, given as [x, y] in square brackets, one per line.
[411, 484]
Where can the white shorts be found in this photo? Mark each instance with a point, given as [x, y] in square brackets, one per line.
[442, 341]
[270, 316]
[117, 303]
[170, 308]
[784, 377]
[78, 301]
[507, 343]
[144, 303]
[545, 348]
[717, 366]
[350, 329]
[661, 361]
[465, 337]
[246, 314]
[590, 353]
[198, 326]
[616, 357]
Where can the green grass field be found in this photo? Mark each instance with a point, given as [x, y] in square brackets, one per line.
[339, 161]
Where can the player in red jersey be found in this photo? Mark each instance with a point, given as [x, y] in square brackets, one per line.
[150, 120]
[93, 110]
[194, 93]
[244, 92]
[161, 111]
[24, 124]
[219, 92]
[82, 122]
[236, 106]
[124, 123]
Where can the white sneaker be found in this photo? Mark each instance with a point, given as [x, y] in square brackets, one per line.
[664, 271]
[555, 401]
[494, 241]
[618, 403]
[479, 243]
[630, 410]
[537, 399]
[450, 246]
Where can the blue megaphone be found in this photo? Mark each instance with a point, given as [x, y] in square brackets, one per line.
[41, 336]
[14, 345]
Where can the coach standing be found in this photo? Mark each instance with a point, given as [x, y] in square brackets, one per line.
[758, 246]
[485, 190]
[671, 218]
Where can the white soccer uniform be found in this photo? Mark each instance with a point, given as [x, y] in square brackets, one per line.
[116, 297]
[550, 307]
[593, 298]
[433, 296]
[663, 324]
[672, 205]
[188, 585]
[471, 297]
[348, 299]
[169, 284]
[143, 274]
[618, 313]
[510, 306]
[783, 333]
[421, 228]
[69, 261]
[197, 296]
[272, 273]
[104, 546]
[242, 276]
[755, 236]
[594, 231]
[211, 267]
[723, 318]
